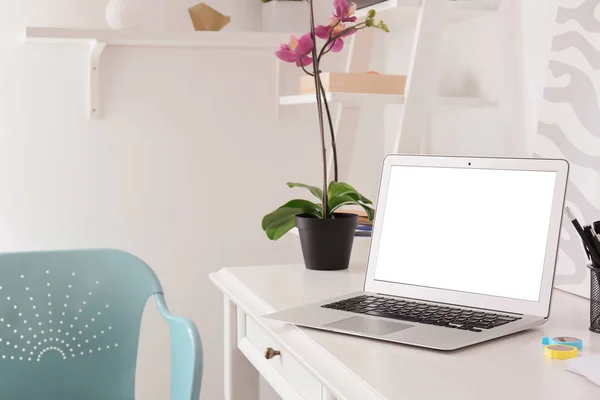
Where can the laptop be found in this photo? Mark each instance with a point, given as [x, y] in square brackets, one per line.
[463, 251]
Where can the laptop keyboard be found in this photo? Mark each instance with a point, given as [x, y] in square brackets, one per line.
[431, 314]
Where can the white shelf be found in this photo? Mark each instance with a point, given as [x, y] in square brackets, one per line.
[389, 5]
[352, 99]
[462, 10]
[98, 39]
[475, 5]
[459, 9]
[378, 100]
[446, 101]
[112, 37]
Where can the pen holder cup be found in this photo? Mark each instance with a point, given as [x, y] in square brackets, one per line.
[595, 299]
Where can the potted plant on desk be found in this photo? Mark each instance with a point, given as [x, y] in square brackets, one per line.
[326, 235]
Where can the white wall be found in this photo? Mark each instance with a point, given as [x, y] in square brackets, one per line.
[180, 171]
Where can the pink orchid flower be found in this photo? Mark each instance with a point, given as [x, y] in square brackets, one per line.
[323, 32]
[344, 10]
[297, 50]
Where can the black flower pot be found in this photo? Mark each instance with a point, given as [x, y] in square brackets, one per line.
[327, 243]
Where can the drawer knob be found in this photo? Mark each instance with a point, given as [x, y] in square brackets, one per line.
[271, 353]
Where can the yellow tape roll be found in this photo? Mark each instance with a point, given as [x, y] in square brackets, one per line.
[561, 351]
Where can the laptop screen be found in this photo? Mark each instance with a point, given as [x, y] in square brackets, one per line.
[481, 231]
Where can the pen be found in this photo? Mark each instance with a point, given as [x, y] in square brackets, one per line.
[587, 246]
[593, 240]
[595, 233]
[597, 227]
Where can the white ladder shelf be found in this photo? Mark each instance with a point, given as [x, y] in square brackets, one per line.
[421, 94]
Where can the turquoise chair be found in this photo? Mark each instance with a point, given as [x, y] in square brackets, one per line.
[70, 322]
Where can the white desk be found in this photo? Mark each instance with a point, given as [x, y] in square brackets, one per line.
[326, 366]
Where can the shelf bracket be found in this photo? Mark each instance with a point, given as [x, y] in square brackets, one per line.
[96, 49]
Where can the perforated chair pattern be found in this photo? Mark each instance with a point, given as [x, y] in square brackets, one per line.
[70, 323]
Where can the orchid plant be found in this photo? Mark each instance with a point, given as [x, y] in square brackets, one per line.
[303, 52]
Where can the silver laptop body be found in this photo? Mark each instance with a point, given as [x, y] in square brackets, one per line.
[463, 251]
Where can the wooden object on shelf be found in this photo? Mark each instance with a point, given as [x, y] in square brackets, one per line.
[206, 18]
[348, 82]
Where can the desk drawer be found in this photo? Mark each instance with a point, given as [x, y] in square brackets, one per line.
[299, 378]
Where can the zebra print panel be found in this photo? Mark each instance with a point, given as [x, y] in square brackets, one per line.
[570, 127]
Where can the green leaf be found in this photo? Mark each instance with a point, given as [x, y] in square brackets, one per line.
[309, 206]
[318, 193]
[369, 210]
[339, 201]
[344, 189]
[304, 206]
[279, 222]
[275, 232]
[344, 200]
[339, 189]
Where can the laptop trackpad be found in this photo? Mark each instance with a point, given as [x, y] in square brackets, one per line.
[369, 326]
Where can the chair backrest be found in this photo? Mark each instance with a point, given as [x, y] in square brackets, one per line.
[69, 323]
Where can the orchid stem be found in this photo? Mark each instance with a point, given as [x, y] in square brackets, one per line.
[304, 69]
[331, 130]
[326, 47]
[319, 106]
[333, 143]
[328, 40]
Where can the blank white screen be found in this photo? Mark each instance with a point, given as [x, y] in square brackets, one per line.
[470, 230]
